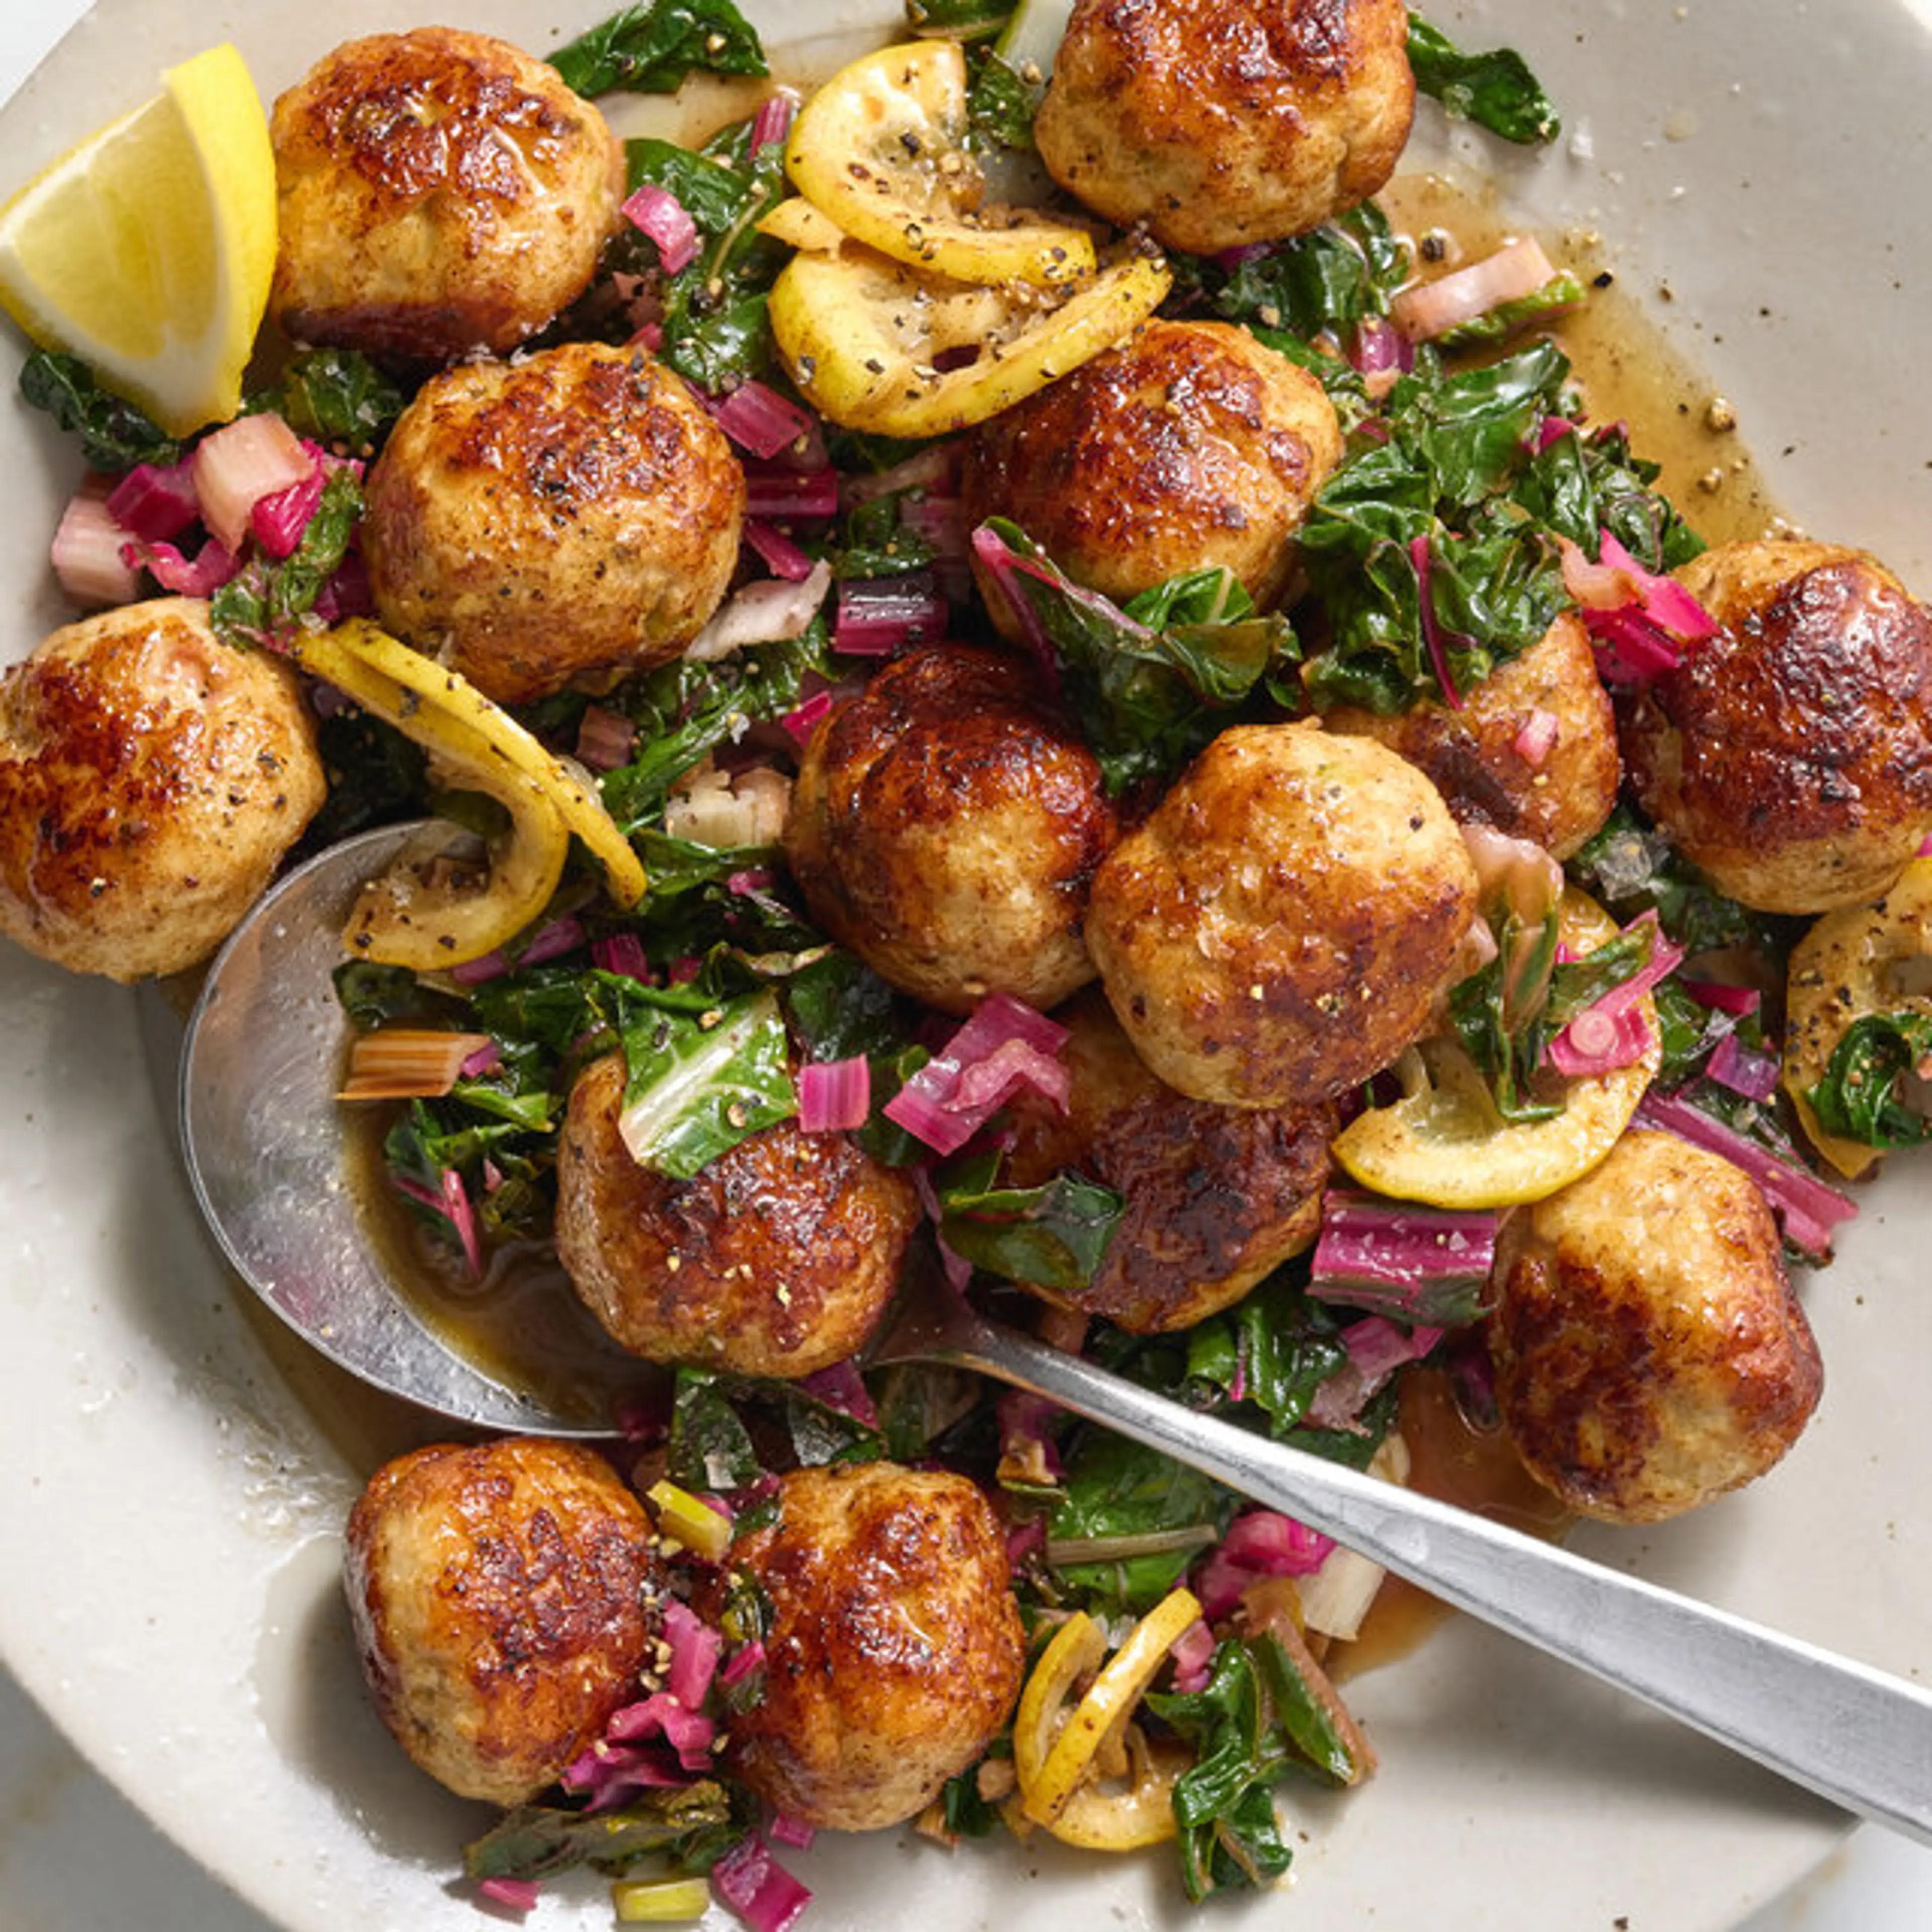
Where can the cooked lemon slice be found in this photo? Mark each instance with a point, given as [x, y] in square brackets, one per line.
[147, 251]
[873, 345]
[1850, 965]
[1055, 1749]
[426, 912]
[798, 223]
[881, 149]
[448, 714]
[432, 915]
[1047, 1783]
[1444, 1142]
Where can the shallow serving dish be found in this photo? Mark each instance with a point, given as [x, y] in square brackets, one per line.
[175, 1471]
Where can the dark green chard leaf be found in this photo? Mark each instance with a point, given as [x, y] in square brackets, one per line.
[654, 47]
[1119, 1490]
[1689, 1031]
[1472, 429]
[1507, 1013]
[968, 1814]
[115, 434]
[820, 1432]
[1498, 1013]
[1001, 104]
[1562, 292]
[376, 777]
[754, 926]
[1055, 1235]
[1858, 1098]
[561, 1011]
[957, 20]
[372, 995]
[877, 542]
[700, 1082]
[1276, 1346]
[1427, 507]
[709, 1451]
[1149, 692]
[1495, 89]
[264, 600]
[678, 866]
[336, 396]
[921, 1406]
[1311, 1734]
[1326, 283]
[1633, 869]
[715, 332]
[534, 1840]
[1256, 1720]
[431, 1139]
[711, 191]
[1587, 481]
[684, 710]
[712, 1448]
[1228, 1836]
[839, 1007]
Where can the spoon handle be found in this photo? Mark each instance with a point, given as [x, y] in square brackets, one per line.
[1852, 1734]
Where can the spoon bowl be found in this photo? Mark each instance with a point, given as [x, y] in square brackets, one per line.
[270, 1153]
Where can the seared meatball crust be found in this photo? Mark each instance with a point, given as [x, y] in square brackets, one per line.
[1649, 1352]
[503, 1596]
[946, 826]
[1190, 445]
[574, 512]
[1220, 123]
[1216, 1197]
[151, 781]
[438, 192]
[1282, 926]
[1472, 753]
[894, 1650]
[1790, 756]
[777, 1259]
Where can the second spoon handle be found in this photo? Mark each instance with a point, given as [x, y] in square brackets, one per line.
[1854, 1735]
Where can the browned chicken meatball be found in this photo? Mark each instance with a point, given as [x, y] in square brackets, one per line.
[1282, 926]
[1215, 1196]
[945, 827]
[437, 193]
[777, 1259]
[502, 1596]
[573, 512]
[151, 780]
[1790, 756]
[894, 1651]
[1219, 123]
[1483, 756]
[1190, 445]
[1649, 1352]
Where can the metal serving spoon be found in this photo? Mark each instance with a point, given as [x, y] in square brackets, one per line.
[266, 1146]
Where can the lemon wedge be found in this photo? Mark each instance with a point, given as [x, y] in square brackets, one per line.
[1444, 1143]
[147, 251]
[880, 149]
